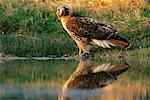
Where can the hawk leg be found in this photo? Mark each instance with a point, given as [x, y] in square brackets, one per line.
[84, 50]
[80, 51]
[83, 47]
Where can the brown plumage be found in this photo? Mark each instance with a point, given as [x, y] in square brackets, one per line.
[87, 31]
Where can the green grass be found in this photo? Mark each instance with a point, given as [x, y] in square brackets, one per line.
[36, 31]
[32, 32]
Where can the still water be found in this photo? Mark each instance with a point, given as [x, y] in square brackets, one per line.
[75, 80]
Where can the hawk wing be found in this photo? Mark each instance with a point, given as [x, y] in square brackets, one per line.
[89, 28]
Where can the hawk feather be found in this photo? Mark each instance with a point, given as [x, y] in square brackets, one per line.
[89, 28]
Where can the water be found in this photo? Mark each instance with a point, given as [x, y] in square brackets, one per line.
[77, 80]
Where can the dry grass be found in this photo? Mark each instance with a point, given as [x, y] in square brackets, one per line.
[121, 10]
[96, 5]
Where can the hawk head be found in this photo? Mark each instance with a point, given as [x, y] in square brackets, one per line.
[62, 11]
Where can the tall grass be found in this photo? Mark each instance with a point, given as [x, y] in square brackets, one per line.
[31, 27]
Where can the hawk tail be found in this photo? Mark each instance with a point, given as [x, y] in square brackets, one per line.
[113, 40]
[118, 41]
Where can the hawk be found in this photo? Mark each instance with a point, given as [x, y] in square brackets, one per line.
[87, 31]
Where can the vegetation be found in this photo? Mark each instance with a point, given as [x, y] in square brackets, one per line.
[31, 28]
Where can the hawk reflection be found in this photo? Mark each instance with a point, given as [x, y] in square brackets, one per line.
[88, 76]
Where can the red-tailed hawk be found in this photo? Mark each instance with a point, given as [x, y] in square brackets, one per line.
[87, 31]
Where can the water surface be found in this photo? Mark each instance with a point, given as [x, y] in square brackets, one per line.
[65, 79]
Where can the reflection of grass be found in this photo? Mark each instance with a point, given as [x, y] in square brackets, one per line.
[55, 73]
[31, 28]
[35, 71]
[139, 71]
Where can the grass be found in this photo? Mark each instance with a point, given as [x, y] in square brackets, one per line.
[31, 28]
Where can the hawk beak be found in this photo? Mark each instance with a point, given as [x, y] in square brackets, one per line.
[65, 11]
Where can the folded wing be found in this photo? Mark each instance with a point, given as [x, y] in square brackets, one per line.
[101, 34]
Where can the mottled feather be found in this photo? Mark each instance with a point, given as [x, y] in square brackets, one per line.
[89, 28]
